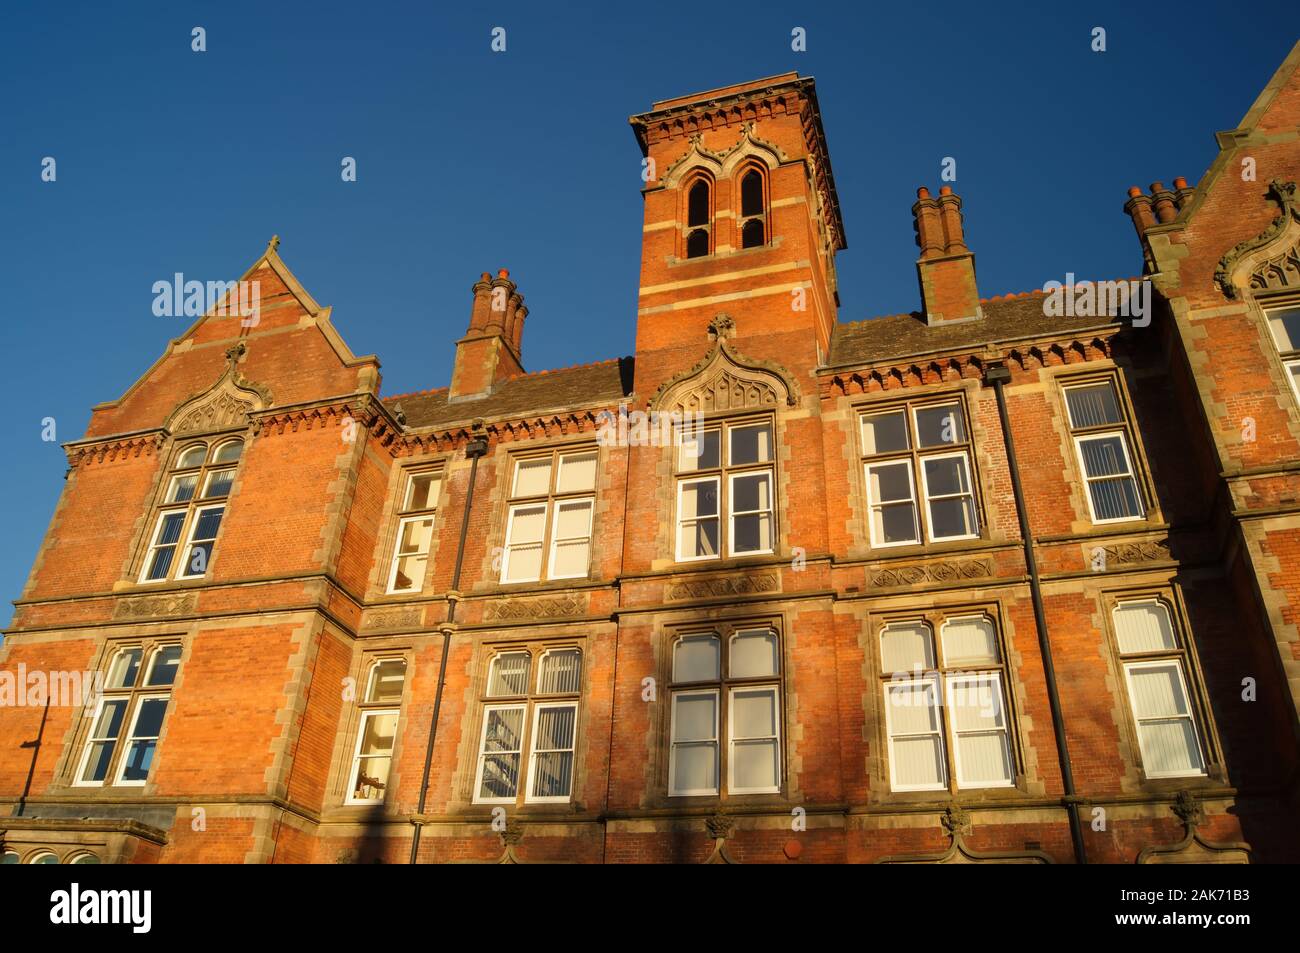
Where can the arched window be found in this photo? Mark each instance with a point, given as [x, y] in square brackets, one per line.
[84, 859]
[191, 512]
[45, 857]
[699, 219]
[753, 209]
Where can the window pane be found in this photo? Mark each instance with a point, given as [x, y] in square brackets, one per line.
[415, 536]
[1286, 328]
[573, 519]
[1114, 499]
[1104, 456]
[375, 756]
[509, 674]
[86, 859]
[967, 641]
[904, 646]
[171, 528]
[524, 563]
[942, 424]
[1144, 627]
[976, 704]
[695, 659]
[124, 668]
[229, 452]
[502, 743]
[1169, 747]
[182, 488]
[577, 473]
[1093, 405]
[148, 723]
[45, 859]
[890, 482]
[751, 444]
[386, 681]
[751, 233]
[754, 764]
[699, 449]
[527, 524]
[699, 499]
[532, 477]
[10, 857]
[697, 211]
[699, 539]
[1294, 371]
[572, 558]
[192, 457]
[751, 492]
[695, 766]
[422, 492]
[918, 762]
[209, 522]
[753, 713]
[896, 523]
[913, 708]
[163, 670]
[753, 654]
[984, 759]
[561, 672]
[410, 573]
[219, 483]
[753, 534]
[952, 518]
[1157, 691]
[553, 752]
[884, 433]
[946, 476]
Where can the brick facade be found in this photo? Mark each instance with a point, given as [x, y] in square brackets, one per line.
[798, 545]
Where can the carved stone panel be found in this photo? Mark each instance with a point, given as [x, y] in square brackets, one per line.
[401, 617]
[716, 587]
[916, 574]
[529, 610]
[167, 606]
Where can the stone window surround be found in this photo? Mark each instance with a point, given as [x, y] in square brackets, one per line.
[369, 652]
[1193, 676]
[396, 513]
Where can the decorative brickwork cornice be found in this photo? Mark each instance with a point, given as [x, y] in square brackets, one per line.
[113, 448]
[970, 365]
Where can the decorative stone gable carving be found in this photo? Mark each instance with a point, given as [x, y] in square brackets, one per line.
[725, 380]
[224, 405]
[1276, 272]
[722, 164]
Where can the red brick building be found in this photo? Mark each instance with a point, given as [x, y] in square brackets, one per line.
[493, 622]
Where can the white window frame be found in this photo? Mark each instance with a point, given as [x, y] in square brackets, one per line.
[968, 495]
[538, 707]
[354, 773]
[933, 681]
[716, 517]
[874, 505]
[775, 739]
[1177, 664]
[129, 738]
[1003, 730]
[154, 546]
[92, 739]
[732, 513]
[523, 747]
[590, 503]
[673, 743]
[544, 506]
[1290, 367]
[195, 517]
[1088, 480]
[398, 555]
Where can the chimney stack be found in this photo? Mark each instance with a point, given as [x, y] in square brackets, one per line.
[489, 352]
[946, 267]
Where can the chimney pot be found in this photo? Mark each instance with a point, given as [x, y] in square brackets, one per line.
[1134, 192]
[945, 190]
[923, 193]
[1180, 182]
[1157, 187]
[503, 273]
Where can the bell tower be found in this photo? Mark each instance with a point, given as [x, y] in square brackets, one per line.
[742, 220]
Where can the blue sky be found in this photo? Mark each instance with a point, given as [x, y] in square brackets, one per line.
[468, 160]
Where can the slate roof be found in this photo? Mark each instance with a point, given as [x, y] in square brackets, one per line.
[906, 335]
[587, 385]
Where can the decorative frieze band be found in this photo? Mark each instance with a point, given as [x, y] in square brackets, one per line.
[402, 617]
[916, 574]
[716, 587]
[156, 607]
[529, 610]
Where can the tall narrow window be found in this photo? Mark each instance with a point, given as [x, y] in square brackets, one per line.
[726, 713]
[530, 726]
[744, 516]
[971, 748]
[699, 219]
[1102, 441]
[380, 708]
[127, 721]
[925, 448]
[1155, 671]
[1285, 325]
[753, 210]
[549, 521]
[414, 532]
[192, 509]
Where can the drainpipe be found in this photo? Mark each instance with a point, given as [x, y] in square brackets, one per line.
[998, 375]
[473, 450]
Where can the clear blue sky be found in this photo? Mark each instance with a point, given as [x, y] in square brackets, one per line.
[469, 160]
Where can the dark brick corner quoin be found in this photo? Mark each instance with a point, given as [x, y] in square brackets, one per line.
[491, 622]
